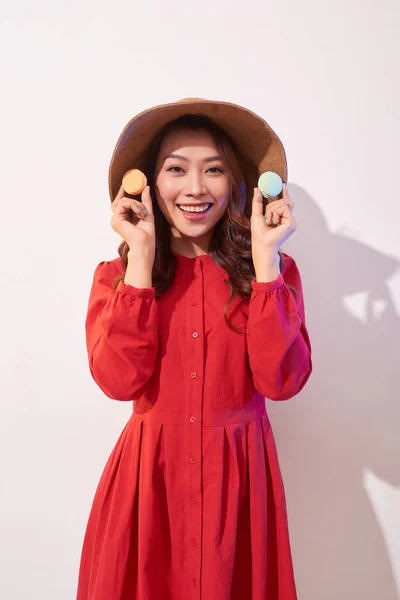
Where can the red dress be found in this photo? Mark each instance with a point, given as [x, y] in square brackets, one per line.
[191, 503]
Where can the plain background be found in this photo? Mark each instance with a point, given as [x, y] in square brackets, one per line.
[325, 77]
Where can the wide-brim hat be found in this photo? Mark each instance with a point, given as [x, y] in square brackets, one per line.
[258, 146]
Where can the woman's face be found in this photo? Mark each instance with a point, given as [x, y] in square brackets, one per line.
[189, 173]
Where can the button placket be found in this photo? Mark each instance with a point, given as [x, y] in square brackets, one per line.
[194, 408]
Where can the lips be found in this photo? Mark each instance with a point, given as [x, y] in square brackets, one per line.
[195, 205]
[196, 215]
[201, 208]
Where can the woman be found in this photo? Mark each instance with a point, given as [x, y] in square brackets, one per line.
[197, 321]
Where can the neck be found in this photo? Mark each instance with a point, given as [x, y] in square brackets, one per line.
[190, 247]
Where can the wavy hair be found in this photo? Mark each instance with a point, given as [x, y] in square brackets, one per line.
[230, 246]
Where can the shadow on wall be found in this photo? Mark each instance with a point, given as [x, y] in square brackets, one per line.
[347, 418]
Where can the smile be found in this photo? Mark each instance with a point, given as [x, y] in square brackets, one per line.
[197, 209]
[194, 213]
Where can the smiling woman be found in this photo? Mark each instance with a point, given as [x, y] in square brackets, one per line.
[191, 502]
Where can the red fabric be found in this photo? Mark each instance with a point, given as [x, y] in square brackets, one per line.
[191, 503]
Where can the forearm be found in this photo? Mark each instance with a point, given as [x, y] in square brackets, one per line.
[121, 334]
[278, 342]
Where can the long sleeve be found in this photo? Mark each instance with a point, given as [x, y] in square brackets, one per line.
[278, 343]
[121, 334]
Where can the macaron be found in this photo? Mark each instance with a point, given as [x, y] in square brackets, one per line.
[270, 184]
[134, 182]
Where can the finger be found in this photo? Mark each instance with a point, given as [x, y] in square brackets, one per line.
[274, 212]
[269, 211]
[257, 203]
[139, 209]
[271, 206]
[147, 200]
[286, 197]
[121, 193]
[275, 204]
[276, 217]
[282, 202]
[124, 204]
[270, 217]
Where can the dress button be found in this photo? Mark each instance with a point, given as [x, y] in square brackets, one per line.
[194, 303]
[193, 375]
[192, 460]
[192, 419]
[195, 334]
[194, 543]
[193, 500]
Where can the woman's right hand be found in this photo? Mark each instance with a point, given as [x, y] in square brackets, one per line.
[139, 234]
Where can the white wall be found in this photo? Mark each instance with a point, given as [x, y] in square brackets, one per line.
[325, 76]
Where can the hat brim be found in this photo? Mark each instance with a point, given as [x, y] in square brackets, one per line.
[256, 142]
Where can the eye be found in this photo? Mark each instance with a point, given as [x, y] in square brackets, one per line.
[172, 169]
[218, 169]
[214, 170]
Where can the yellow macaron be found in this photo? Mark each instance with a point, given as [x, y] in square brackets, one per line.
[134, 182]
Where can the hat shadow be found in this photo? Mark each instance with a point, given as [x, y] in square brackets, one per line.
[345, 421]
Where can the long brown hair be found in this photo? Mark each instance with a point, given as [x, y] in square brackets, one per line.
[230, 246]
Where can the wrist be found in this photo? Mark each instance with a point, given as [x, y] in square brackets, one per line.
[267, 266]
[139, 270]
[139, 252]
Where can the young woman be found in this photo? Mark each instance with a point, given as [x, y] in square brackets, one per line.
[197, 321]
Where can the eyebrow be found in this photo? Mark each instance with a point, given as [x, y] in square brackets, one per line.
[206, 160]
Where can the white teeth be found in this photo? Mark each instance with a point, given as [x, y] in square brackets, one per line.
[195, 209]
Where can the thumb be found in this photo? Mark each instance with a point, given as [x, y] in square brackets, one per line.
[257, 204]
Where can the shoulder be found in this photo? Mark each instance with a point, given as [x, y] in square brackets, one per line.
[291, 273]
[107, 270]
[288, 263]
[117, 264]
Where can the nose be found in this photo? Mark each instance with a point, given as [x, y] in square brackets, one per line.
[195, 185]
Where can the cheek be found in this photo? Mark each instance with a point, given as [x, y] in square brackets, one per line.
[165, 195]
[166, 185]
[221, 193]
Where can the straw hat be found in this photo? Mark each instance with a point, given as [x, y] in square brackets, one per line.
[258, 146]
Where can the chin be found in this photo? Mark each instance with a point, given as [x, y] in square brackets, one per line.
[192, 231]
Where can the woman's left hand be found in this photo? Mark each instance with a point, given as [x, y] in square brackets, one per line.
[268, 236]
